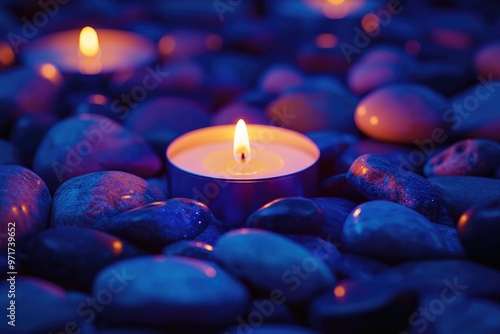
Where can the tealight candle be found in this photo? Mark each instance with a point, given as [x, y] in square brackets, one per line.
[90, 51]
[237, 170]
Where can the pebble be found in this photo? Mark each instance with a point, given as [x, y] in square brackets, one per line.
[274, 264]
[352, 266]
[72, 256]
[293, 215]
[170, 292]
[377, 179]
[8, 153]
[337, 186]
[234, 111]
[404, 114]
[92, 200]
[158, 121]
[279, 78]
[25, 203]
[486, 60]
[314, 111]
[462, 192]
[470, 157]
[391, 232]
[193, 249]
[335, 212]
[479, 232]
[91, 143]
[380, 66]
[167, 222]
[43, 307]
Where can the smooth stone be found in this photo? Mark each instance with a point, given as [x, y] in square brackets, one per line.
[450, 236]
[331, 145]
[314, 111]
[43, 307]
[72, 256]
[92, 143]
[475, 111]
[279, 78]
[234, 111]
[158, 121]
[462, 192]
[377, 179]
[335, 212]
[337, 186]
[265, 260]
[160, 291]
[391, 232]
[213, 231]
[400, 155]
[293, 215]
[402, 113]
[92, 200]
[273, 329]
[486, 60]
[189, 248]
[380, 66]
[27, 133]
[470, 157]
[158, 224]
[479, 232]
[352, 266]
[363, 306]
[322, 250]
[25, 202]
[8, 153]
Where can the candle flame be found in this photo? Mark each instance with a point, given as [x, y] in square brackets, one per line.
[241, 147]
[89, 42]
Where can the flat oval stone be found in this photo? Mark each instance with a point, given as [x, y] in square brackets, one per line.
[72, 256]
[193, 249]
[486, 60]
[25, 202]
[8, 154]
[91, 143]
[375, 178]
[158, 224]
[391, 232]
[470, 157]
[273, 263]
[335, 211]
[314, 111]
[462, 192]
[293, 215]
[92, 200]
[171, 291]
[403, 113]
[43, 307]
[479, 232]
[279, 78]
[234, 111]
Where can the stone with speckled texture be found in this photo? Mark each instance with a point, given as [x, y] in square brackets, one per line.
[92, 200]
[161, 223]
[24, 201]
[391, 232]
[377, 179]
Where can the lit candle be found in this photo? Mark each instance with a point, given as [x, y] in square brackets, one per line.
[236, 171]
[90, 51]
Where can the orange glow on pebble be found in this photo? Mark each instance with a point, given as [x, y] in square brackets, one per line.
[50, 72]
[326, 41]
[462, 223]
[117, 247]
[97, 99]
[210, 272]
[356, 212]
[7, 56]
[166, 45]
[339, 291]
[370, 22]
[336, 2]
[374, 120]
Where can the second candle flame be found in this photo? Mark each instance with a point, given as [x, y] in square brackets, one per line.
[241, 146]
[89, 42]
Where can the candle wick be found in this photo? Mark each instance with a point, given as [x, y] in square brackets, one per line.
[243, 156]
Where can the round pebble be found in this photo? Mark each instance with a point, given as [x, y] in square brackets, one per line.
[279, 78]
[92, 200]
[391, 232]
[471, 157]
[166, 222]
[404, 113]
[294, 215]
[72, 256]
[25, 203]
[91, 143]
[377, 179]
[171, 292]
[274, 264]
